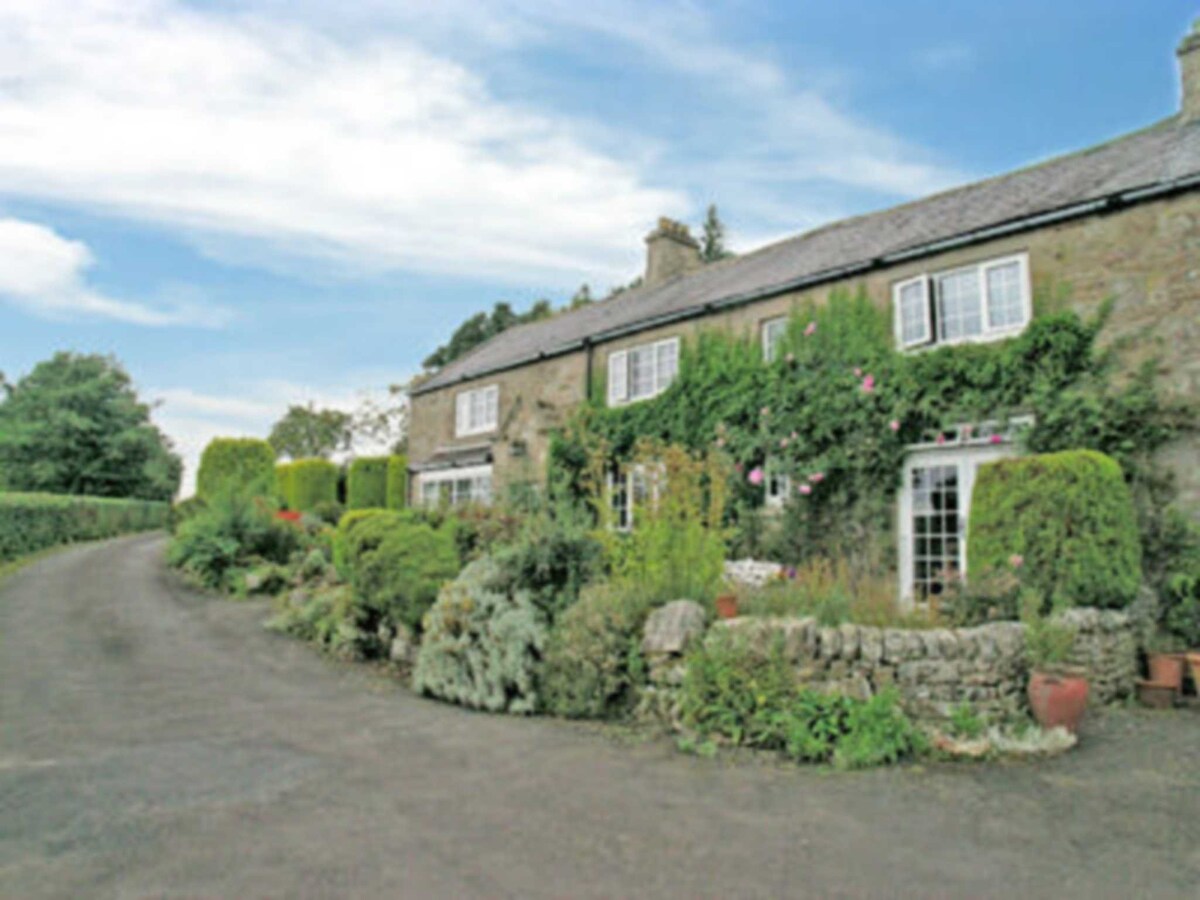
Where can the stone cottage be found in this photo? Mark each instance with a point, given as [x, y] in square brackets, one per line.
[1120, 220]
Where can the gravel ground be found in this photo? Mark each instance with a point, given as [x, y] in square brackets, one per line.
[157, 742]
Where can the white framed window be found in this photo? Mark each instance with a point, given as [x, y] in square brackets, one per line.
[630, 489]
[641, 372]
[981, 302]
[773, 333]
[778, 485]
[477, 411]
[457, 487]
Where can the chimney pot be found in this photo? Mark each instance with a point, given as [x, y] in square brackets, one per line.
[670, 251]
[1189, 74]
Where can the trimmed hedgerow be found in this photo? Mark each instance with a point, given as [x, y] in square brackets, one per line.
[236, 462]
[283, 482]
[397, 481]
[313, 481]
[366, 486]
[33, 522]
[482, 645]
[1067, 519]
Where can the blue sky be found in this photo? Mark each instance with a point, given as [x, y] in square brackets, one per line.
[255, 204]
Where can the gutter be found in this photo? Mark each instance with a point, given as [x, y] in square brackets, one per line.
[1107, 203]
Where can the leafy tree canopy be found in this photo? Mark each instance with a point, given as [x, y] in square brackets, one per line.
[305, 431]
[74, 425]
[481, 327]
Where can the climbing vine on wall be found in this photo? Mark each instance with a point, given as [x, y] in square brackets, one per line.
[838, 405]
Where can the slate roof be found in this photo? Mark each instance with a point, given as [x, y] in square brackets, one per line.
[1157, 158]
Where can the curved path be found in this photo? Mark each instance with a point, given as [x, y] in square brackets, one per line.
[157, 742]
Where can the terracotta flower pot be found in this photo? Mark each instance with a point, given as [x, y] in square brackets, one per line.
[1167, 668]
[1058, 698]
[1155, 695]
[727, 606]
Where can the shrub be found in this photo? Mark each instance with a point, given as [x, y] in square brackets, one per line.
[326, 617]
[238, 463]
[1182, 616]
[397, 567]
[593, 664]
[283, 483]
[397, 481]
[555, 554]
[676, 548]
[482, 645]
[751, 697]
[184, 510]
[232, 530]
[313, 482]
[33, 522]
[366, 484]
[1067, 518]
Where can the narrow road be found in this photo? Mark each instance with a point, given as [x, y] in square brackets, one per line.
[158, 742]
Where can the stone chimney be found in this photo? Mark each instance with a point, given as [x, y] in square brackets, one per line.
[1189, 74]
[670, 251]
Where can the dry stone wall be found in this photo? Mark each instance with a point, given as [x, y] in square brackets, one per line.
[934, 671]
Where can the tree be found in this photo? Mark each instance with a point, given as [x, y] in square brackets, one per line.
[384, 423]
[74, 425]
[305, 431]
[712, 244]
[481, 327]
[583, 297]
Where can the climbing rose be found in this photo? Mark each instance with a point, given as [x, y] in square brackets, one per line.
[894, 424]
[816, 477]
[868, 384]
[756, 476]
[1016, 560]
[805, 489]
[811, 329]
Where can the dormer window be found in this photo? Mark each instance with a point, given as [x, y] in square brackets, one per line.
[983, 302]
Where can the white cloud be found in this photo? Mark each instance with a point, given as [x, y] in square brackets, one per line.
[340, 137]
[45, 273]
[375, 153]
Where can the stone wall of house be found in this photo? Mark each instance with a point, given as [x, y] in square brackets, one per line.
[1144, 258]
[934, 671]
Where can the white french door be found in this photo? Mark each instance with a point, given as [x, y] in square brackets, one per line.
[935, 504]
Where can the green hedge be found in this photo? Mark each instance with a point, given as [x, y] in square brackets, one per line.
[397, 482]
[313, 481]
[239, 462]
[1069, 517]
[32, 522]
[283, 483]
[366, 486]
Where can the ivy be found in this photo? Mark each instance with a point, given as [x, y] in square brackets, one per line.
[837, 407]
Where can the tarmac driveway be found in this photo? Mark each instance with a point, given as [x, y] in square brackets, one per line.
[157, 742]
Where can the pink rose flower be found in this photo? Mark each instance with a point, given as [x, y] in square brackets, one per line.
[941, 438]
[1016, 560]
[894, 424]
[816, 477]
[756, 476]
[811, 329]
[805, 489]
[868, 384]
[996, 439]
